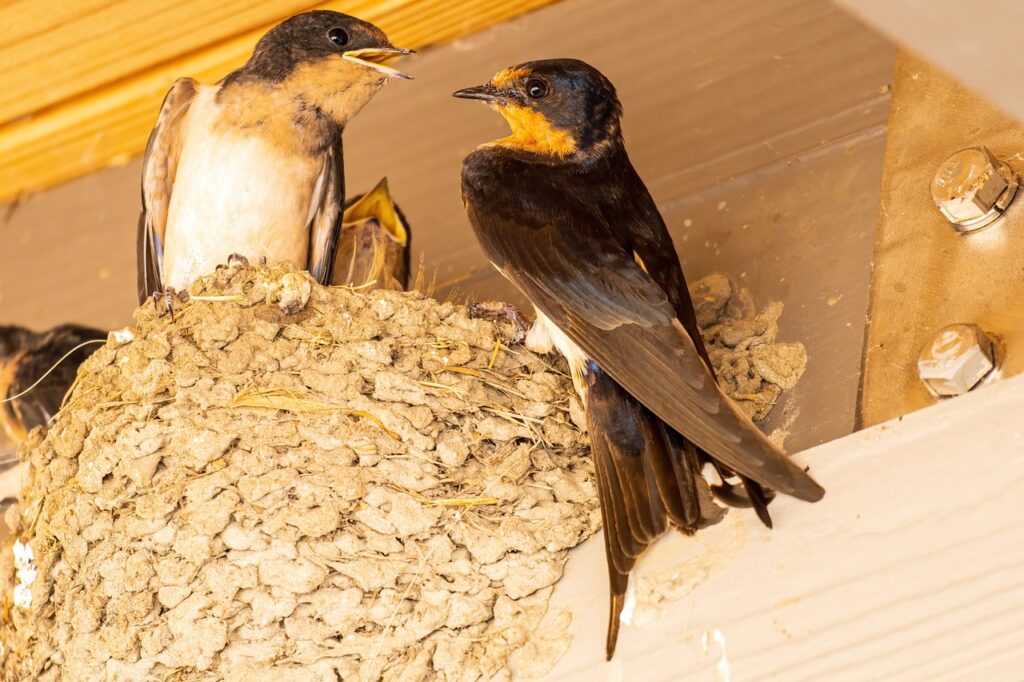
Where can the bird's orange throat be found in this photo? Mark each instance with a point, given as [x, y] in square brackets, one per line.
[341, 88]
[532, 131]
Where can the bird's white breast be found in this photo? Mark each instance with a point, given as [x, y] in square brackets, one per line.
[544, 334]
[234, 192]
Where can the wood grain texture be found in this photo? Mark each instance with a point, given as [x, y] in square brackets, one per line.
[53, 50]
[101, 112]
[927, 275]
[977, 42]
[907, 570]
[774, 109]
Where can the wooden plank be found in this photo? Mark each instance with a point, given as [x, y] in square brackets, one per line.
[53, 50]
[926, 274]
[908, 569]
[109, 125]
[977, 42]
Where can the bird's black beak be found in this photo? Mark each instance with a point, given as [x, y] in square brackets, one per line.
[373, 57]
[486, 93]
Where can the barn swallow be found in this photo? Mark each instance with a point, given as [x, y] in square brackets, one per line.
[252, 166]
[373, 248]
[562, 214]
[24, 358]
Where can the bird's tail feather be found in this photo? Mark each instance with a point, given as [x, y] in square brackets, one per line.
[648, 478]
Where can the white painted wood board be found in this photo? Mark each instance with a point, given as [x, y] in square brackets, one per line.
[910, 568]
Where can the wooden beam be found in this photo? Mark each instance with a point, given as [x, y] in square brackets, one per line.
[977, 42]
[96, 128]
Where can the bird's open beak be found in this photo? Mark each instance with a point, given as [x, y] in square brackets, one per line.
[374, 58]
[486, 93]
[378, 205]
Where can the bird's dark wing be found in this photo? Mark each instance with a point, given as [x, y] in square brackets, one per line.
[159, 166]
[564, 258]
[325, 215]
[654, 251]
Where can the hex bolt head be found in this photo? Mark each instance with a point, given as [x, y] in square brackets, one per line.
[973, 188]
[956, 360]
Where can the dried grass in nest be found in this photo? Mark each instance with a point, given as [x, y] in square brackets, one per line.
[292, 401]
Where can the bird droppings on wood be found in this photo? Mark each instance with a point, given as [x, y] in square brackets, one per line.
[358, 490]
[751, 367]
[671, 581]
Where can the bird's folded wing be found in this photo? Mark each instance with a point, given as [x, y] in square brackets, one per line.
[325, 215]
[598, 295]
[158, 169]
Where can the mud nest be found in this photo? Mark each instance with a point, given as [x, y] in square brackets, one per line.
[289, 482]
[751, 367]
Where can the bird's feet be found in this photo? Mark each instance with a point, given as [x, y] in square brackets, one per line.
[745, 493]
[233, 259]
[732, 494]
[496, 310]
[166, 299]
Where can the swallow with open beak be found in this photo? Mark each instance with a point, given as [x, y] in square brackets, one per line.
[562, 214]
[251, 167]
[25, 357]
[373, 248]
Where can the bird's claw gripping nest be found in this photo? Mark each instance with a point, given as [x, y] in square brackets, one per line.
[167, 297]
[497, 310]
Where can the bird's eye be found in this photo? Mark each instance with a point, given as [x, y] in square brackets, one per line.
[536, 88]
[338, 36]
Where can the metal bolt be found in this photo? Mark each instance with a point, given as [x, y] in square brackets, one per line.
[973, 188]
[956, 360]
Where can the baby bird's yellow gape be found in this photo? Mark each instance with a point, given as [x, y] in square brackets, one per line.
[373, 248]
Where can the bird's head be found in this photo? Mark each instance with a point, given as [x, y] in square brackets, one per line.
[331, 60]
[556, 107]
[12, 340]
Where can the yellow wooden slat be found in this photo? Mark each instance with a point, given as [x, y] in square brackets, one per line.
[56, 53]
[109, 125]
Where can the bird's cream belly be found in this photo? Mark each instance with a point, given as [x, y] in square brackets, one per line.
[236, 194]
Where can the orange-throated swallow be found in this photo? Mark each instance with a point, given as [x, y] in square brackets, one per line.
[252, 166]
[562, 214]
[25, 357]
[373, 248]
